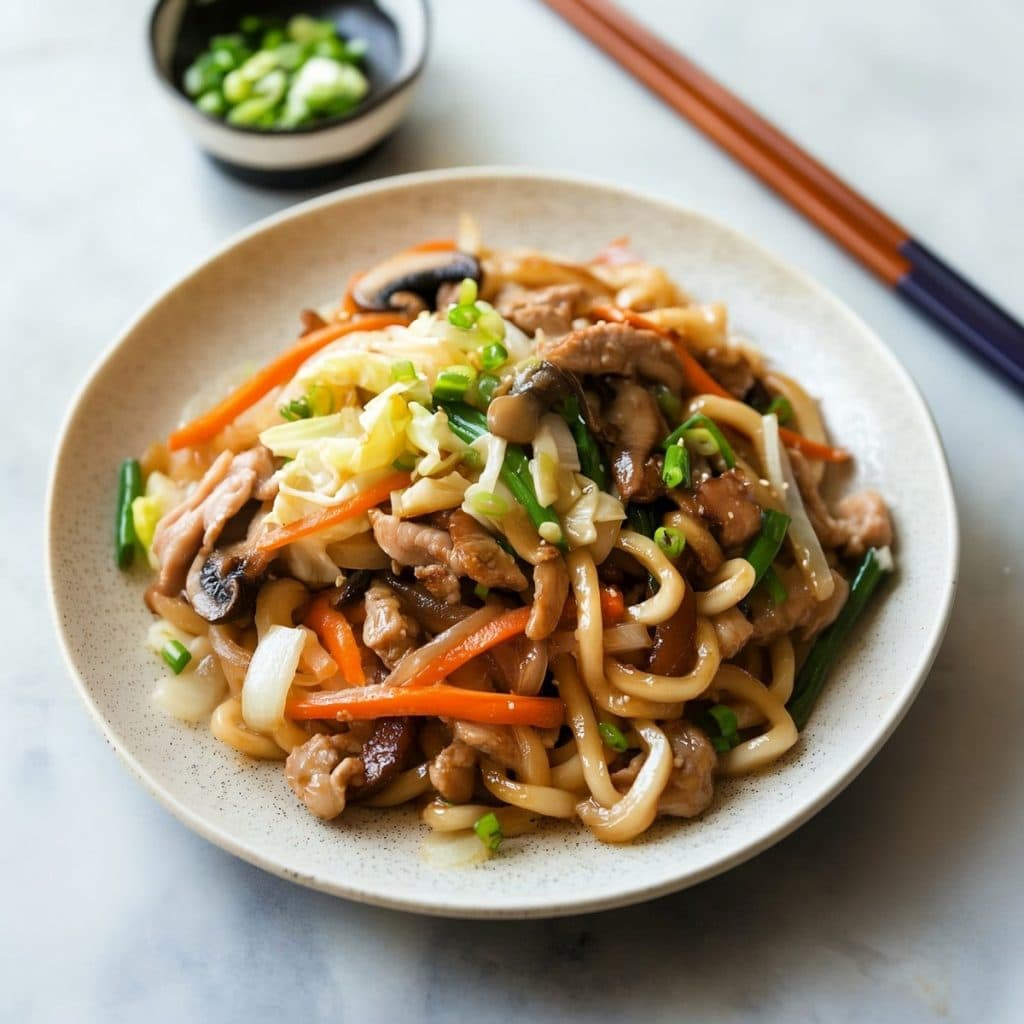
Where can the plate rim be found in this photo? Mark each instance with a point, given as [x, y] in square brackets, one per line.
[525, 907]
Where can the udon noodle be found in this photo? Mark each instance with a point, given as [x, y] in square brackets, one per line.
[508, 536]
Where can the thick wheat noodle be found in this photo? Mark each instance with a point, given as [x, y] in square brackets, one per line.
[569, 775]
[579, 715]
[671, 586]
[639, 807]
[769, 746]
[277, 603]
[783, 671]
[546, 800]
[730, 412]
[442, 817]
[179, 614]
[698, 536]
[416, 660]
[229, 727]
[532, 765]
[232, 656]
[670, 689]
[288, 736]
[729, 585]
[406, 786]
[590, 643]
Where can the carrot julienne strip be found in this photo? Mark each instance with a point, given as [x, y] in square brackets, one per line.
[704, 384]
[276, 372]
[441, 700]
[335, 633]
[340, 513]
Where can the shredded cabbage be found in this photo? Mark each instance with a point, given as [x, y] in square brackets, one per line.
[431, 495]
[428, 432]
[161, 495]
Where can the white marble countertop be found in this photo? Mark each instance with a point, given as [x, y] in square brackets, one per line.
[900, 902]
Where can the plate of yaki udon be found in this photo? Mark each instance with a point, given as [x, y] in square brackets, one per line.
[486, 543]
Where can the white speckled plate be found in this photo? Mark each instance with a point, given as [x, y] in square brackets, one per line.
[243, 304]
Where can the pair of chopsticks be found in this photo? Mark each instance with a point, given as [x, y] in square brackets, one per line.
[880, 243]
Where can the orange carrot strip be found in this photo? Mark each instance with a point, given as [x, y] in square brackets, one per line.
[349, 509]
[433, 245]
[703, 383]
[335, 633]
[812, 449]
[349, 306]
[495, 632]
[278, 371]
[437, 701]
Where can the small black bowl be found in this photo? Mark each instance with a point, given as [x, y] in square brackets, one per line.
[397, 33]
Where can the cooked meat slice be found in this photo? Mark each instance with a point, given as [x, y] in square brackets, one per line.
[453, 772]
[440, 582]
[636, 428]
[476, 554]
[732, 630]
[726, 501]
[651, 485]
[467, 549]
[197, 523]
[864, 519]
[495, 741]
[620, 350]
[730, 366]
[384, 754]
[800, 609]
[387, 631]
[551, 310]
[409, 543]
[550, 589]
[320, 773]
[861, 521]
[674, 650]
[691, 785]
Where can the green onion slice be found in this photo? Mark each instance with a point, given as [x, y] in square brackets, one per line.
[614, 738]
[493, 356]
[782, 407]
[176, 654]
[403, 372]
[488, 831]
[670, 540]
[676, 471]
[699, 420]
[765, 547]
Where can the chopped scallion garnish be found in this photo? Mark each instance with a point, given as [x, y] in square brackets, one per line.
[723, 727]
[467, 292]
[493, 356]
[463, 317]
[176, 654]
[670, 540]
[699, 420]
[782, 407]
[129, 487]
[403, 372]
[763, 550]
[676, 471]
[486, 385]
[614, 738]
[451, 384]
[487, 503]
[481, 591]
[671, 404]
[488, 831]
[297, 409]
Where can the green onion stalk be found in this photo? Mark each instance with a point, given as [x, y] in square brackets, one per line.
[129, 487]
[810, 680]
[468, 424]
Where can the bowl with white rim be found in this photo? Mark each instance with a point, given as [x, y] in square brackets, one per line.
[222, 314]
[397, 34]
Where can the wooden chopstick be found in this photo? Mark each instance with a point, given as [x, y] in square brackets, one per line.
[881, 244]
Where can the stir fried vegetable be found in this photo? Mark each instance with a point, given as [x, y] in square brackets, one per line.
[275, 75]
[766, 546]
[469, 424]
[439, 700]
[810, 681]
[276, 372]
[592, 460]
[335, 633]
[129, 487]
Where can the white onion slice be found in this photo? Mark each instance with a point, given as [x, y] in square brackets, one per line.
[804, 540]
[630, 636]
[269, 677]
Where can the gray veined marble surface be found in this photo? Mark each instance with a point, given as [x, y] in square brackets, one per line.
[900, 902]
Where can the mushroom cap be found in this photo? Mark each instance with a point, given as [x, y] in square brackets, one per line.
[409, 280]
[226, 584]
